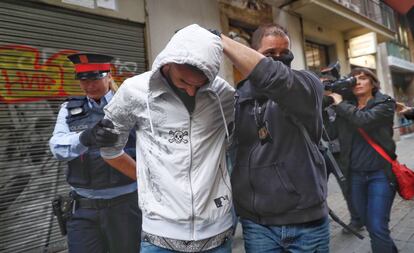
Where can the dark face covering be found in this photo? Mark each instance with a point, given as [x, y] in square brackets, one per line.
[189, 101]
[285, 58]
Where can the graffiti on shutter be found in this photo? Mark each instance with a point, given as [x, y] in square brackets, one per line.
[24, 78]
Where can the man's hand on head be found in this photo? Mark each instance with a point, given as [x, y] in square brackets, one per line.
[215, 32]
[401, 108]
[99, 135]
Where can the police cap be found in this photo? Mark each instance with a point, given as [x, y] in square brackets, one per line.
[91, 66]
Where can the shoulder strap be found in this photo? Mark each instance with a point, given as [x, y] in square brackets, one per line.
[300, 126]
[74, 102]
[312, 145]
[335, 167]
[373, 144]
[75, 98]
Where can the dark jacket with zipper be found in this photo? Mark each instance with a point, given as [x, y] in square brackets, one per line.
[377, 121]
[283, 181]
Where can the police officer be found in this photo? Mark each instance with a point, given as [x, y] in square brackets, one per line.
[105, 215]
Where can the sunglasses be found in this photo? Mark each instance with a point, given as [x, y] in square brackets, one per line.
[93, 76]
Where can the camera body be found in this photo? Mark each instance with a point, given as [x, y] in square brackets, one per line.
[341, 86]
[333, 82]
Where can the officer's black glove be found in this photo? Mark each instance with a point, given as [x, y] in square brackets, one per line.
[99, 135]
[215, 32]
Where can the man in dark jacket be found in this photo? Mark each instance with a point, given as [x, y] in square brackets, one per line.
[279, 179]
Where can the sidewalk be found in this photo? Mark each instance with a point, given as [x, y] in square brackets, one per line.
[402, 216]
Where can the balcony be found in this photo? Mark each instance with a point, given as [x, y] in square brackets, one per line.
[353, 17]
[399, 51]
[375, 10]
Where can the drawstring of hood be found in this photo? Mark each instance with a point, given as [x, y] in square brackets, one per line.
[222, 114]
[149, 115]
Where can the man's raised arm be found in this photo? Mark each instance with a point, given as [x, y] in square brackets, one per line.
[243, 57]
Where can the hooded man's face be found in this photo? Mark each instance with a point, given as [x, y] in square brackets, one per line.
[184, 78]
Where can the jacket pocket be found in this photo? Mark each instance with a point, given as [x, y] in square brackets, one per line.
[274, 191]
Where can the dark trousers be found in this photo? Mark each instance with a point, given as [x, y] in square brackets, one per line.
[344, 186]
[355, 218]
[111, 229]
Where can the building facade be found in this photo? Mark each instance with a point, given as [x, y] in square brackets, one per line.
[361, 33]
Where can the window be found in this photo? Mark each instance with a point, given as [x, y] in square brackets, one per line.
[317, 56]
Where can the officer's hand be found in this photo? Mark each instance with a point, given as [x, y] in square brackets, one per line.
[99, 135]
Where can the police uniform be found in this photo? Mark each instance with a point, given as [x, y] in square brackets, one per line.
[105, 216]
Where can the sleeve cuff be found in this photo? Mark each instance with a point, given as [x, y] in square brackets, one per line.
[110, 153]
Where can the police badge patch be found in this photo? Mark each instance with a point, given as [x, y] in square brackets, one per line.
[76, 111]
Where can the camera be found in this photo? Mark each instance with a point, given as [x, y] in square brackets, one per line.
[333, 82]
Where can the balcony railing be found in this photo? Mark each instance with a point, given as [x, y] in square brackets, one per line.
[375, 10]
[399, 51]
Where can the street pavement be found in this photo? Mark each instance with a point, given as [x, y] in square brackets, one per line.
[402, 215]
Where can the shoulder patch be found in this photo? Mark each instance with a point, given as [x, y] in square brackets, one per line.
[75, 105]
[75, 111]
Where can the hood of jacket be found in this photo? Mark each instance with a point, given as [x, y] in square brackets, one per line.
[193, 45]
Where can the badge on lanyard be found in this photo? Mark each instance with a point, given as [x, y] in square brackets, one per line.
[262, 125]
[264, 134]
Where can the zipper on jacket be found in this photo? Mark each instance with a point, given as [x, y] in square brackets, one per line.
[250, 181]
[189, 178]
[192, 216]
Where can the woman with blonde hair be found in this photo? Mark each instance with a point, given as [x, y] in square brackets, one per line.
[104, 212]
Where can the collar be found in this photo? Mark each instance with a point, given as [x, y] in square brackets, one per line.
[103, 101]
[378, 98]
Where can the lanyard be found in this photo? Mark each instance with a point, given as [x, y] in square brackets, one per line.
[262, 125]
[259, 112]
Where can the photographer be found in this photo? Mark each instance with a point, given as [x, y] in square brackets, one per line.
[369, 175]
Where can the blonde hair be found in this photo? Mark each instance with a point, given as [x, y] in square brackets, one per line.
[112, 85]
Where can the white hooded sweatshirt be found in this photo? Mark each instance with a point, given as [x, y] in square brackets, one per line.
[183, 183]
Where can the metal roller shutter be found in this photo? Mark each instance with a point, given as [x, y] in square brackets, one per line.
[35, 77]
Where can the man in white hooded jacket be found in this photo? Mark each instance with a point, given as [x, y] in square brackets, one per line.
[181, 111]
